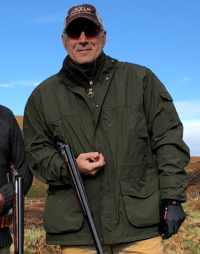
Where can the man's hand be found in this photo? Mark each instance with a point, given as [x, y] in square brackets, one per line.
[90, 163]
[172, 216]
[2, 202]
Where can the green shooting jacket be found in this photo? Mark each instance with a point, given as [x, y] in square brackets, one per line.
[132, 121]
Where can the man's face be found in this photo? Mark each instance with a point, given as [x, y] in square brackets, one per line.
[83, 42]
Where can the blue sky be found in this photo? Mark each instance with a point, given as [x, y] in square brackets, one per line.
[161, 35]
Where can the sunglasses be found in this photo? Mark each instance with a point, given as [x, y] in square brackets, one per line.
[89, 30]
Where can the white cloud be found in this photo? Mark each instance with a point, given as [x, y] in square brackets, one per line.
[184, 79]
[36, 83]
[189, 113]
[188, 109]
[26, 83]
[5, 85]
[21, 83]
[191, 135]
[49, 18]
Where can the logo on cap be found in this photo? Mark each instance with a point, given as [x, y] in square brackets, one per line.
[80, 9]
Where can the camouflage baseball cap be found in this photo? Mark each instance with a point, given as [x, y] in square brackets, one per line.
[83, 11]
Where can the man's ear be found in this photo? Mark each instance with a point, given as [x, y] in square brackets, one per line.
[64, 41]
[104, 38]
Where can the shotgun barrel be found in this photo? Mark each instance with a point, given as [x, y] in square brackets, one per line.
[18, 210]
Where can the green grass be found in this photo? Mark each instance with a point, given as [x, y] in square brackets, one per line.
[30, 236]
[33, 235]
[191, 247]
[37, 190]
[187, 241]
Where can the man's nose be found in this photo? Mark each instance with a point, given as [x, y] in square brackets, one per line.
[83, 37]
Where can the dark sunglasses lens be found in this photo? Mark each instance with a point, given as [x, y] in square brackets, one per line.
[73, 33]
[90, 31]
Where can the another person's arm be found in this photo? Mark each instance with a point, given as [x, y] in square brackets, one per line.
[17, 157]
[2, 202]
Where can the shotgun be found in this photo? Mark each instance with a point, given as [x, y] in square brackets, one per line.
[18, 210]
[76, 181]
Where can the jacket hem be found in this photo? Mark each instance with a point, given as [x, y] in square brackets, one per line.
[76, 242]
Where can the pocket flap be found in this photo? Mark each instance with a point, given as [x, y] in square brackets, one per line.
[141, 188]
[166, 96]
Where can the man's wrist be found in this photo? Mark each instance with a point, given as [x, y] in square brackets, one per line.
[166, 202]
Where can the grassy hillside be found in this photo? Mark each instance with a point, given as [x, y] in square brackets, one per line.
[37, 190]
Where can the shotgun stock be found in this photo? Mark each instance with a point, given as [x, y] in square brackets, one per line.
[76, 181]
[18, 210]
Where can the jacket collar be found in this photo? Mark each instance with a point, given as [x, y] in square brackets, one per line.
[71, 80]
[70, 69]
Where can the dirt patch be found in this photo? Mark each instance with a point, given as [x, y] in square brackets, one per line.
[194, 159]
[193, 170]
[20, 121]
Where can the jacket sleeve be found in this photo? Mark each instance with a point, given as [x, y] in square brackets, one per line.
[43, 158]
[17, 157]
[166, 137]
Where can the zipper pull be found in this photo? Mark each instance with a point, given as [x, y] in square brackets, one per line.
[91, 83]
[90, 93]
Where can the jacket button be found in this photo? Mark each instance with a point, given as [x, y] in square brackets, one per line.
[107, 78]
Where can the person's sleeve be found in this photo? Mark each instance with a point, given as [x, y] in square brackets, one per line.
[7, 192]
[17, 157]
[43, 158]
[166, 136]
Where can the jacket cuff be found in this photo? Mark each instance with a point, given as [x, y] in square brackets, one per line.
[173, 188]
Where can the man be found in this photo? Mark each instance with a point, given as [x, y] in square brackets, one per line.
[11, 150]
[127, 139]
